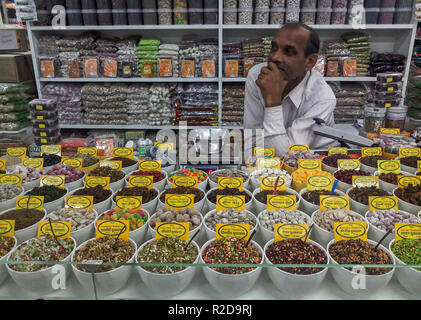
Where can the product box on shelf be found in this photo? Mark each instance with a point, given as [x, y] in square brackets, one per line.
[15, 67]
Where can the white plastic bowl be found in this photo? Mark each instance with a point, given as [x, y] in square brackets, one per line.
[323, 236]
[75, 184]
[356, 206]
[409, 278]
[106, 282]
[295, 284]
[388, 186]
[406, 206]
[210, 234]
[3, 270]
[168, 169]
[136, 235]
[8, 204]
[408, 169]
[167, 285]
[28, 232]
[329, 169]
[101, 206]
[212, 205]
[198, 206]
[366, 168]
[215, 184]
[30, 185]
[38, 281]
[309, 207]
[232, 285]
[149, 206]
[151, 231]
[345, 278]
[259, 206]
[129, 169]
[202, 185]
[268, 235]
[160, 185]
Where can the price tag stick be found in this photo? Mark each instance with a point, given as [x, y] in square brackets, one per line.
[332, 192]
[308, 233]
[275, 189]
[121, 231]
[194, 236]
[54, 235]
[251, 237]
[384, 237]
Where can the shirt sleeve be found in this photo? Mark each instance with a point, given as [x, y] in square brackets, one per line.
[301, 130]
[253, 106]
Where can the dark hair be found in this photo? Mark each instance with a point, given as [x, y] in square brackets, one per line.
[313, 44]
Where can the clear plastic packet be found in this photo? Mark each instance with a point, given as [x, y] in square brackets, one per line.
[48, 66]
[119, 12]
[208, 67]
[109, 67]
[8, 88]
[231, 66]
[90, 67]
[13, 116]
[321, 64]
[89, 13]
[43, 105]
[44, 115]
[104, 15]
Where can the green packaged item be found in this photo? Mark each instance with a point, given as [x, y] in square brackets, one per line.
[14, 107]
[354, 37]
[6, 88]
[13, 116]
[148, 48]
[415, 81]
[14, 97]
[13, 126]
[149, 42]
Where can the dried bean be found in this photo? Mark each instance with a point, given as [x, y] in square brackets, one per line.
[410, 161]
[230, 216]
[346, 175]
[410, 194]
[332, 161]
[314, 196]
[361, 194]
[371, 161]
[193, 217]
[390, 177]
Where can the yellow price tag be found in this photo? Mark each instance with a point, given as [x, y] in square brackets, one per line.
[377, 203]
[319, 182]
[268, 183]
[348, 164]
[50, 180]
[150, 165]
[179, 201]
[298, 148]
[310, 164]
[184, 181]
[178, 230]
[37, 163]
[7, 228]
[123, 152]
[365, 181]
[30, 202]
[61, 229]
[230, 202]
[230, 182]
[232, 230]
[114, 228]
[389, 166]
[92, 181]
[264, 152]
[16, 152]
[394, 131]
[350, 230]
[115, 165]
[368, 152]
[141, 181]
[276, 202]
[53, 149]
[333, 151]
[2, 165]
[79, 202]
[407, 231]
[88, 151]
[164, 146]
[404, 181]
[74, 162]
[409, 152]
[291, 232]
[334, 202]
[15, 179]
[126, 202]
[274, 163]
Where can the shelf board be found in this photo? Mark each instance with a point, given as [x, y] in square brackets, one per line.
[328, 79]
[138, 127]
[128, 27]
[322, 26]
[136, 79]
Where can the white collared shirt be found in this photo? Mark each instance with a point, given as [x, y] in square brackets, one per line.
[291, 122]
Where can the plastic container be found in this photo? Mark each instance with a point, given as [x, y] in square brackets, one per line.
[47, 140]
[180, 12]
[372, 9]
[277, 15]
[119, 11]
[134, 12]
[355, 14]
[149, 11]
[42, 124]
[195, 11]
[74, 13]
[308, 16]
[395, 117]
[403, 12]
[387, 11]
[245, 16]
[43, 105]
[210, 11]
[324, 11]
[373, 119]
[339, 10]
[164, 12]
[388, 103]
[388, 77]
[105, 18]
[389, 87]
[44, 115]
[89, 12]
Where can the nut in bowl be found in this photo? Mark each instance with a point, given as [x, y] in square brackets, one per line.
[8, 195]
[167, 281]
[108, 278]
[128, 165]
[389, 181]
[53, 196]
[296, 281]
[231, 281]
[213, 177]
[116, 176]
[358, 197]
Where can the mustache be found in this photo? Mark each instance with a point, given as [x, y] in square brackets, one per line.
[279, 66]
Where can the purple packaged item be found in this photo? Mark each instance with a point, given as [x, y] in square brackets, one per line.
[119, 12]
[339, 10]
[210, 11]
[89, 12]
[134, 12]
[74, 13]
[105, 18]
[149, 10]
[387, 11]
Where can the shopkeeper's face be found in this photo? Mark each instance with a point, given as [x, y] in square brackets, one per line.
[288, 52]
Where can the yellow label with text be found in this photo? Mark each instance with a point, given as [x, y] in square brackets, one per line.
[230, 182]
[274, 163]
[150, 165]
[404, 181]
[264, 152]
[3, 165]
[178, 230]
[268, 183]
[232, 230]
[79, 202]
[61, 229]
[179, 201]
[184, 181]
[141, 181]
[16, 152]
[409, 152]
[350, 230]
[15, 179]
[377, 203]
[37, 163]
[334, 202]
[298, 148]
[348, 164]
[310, 164]
[230, 202]
[368, 152]
[126, 202]
[407, 231]
[365, 181]
[319, 182]
[123, 152]
[337, 151]
[291, 231]
[115, 165]
[114, 228]
[276, 202]
[164, 146]
[74, 162]
[89, 151]
[419, 165]
[92, 181]
[390, 130]
[53, 149]
[389, 166]
[50, 180]
[7, 228]
[30, 202]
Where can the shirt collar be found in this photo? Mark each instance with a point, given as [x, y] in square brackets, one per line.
[296, 95]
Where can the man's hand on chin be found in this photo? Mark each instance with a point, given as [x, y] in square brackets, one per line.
[271, 84]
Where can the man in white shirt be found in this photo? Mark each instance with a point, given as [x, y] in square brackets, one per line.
[284, 95]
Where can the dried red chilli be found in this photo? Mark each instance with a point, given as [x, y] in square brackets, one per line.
[231, 251]
[157, 176]
[296, 251]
